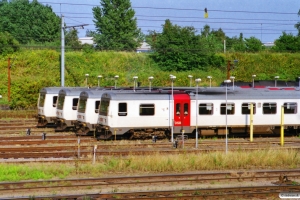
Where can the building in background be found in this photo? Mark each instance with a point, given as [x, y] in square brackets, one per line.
[86, 40]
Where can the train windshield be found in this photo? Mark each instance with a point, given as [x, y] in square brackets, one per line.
[60, 103]
[42, 100]
[104, 107]
[82, 105]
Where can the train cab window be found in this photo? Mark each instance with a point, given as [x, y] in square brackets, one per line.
[122, 109]
[186, 109]
[246, 108]
[104, 106]
[54, 101]
[290, 108]
[42, 100]
[230, 109]
[146, 109]
[97, 103]
[206, 108]
[60, 103]
[82, 105]
[178, 109]
[75, 103]
[269, 108]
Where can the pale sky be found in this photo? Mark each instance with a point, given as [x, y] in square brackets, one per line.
[263, 19]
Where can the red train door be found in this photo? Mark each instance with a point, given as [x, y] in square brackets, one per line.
[182, 110]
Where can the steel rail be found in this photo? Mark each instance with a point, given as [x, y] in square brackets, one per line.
[245, 191]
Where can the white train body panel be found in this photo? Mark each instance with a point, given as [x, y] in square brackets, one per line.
[131, 117]
[47, 105]
[161, 118]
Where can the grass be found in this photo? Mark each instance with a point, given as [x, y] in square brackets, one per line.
[262, 159]
[9, 115]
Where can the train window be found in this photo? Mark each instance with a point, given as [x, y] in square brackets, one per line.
[75, 103]
[104, 105]
[60, 103]
[269, 108]
[147, 109]
[178, 109]
[82, 105]
[246, 108]
[186, 108]
[290, 108]
[54, 101]
[122, 109]
[42, 100]
[206, 108]
[230, 109]
[97, 103]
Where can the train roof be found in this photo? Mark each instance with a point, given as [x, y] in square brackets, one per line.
[136, 96]
[92, 93]
[246, 94]
[50, 90]
[215, 93]
[72, 91]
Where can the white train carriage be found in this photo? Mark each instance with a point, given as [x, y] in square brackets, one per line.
[66, 112]
[144, 115]
[47, 106]
[87, 114]
[267, 103]
[137, 115]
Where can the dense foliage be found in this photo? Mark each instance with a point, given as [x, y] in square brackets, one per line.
[180, 49]
[8, 44]
[34, 69]
[116, 26]
[29, 21]
[287, 43]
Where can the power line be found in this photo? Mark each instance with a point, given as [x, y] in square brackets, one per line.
[187, 9]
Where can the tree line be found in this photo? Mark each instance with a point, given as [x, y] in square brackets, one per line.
[25, 24]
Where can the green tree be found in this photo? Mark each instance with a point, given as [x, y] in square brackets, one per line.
[71, 39]
[180, 49]
[253, 44]
[8, 44]
[236, 44]
[297, 26]
[29, 21]
[287, 42]
[116, 26]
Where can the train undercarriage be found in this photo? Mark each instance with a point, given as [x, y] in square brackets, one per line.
[104, 133]
[83, 129]
[45, 121]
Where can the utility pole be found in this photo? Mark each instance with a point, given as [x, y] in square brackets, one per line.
[62, 54]
[228, 69]
[62, 63]
[8, 79]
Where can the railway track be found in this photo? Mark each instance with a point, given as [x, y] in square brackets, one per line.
[243, 184]
[34, 147]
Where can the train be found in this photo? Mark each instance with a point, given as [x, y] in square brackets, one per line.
[210, 111]
[57, 107]
[164, 111]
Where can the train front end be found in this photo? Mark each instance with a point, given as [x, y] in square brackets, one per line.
[47, 106]
[87, 114]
